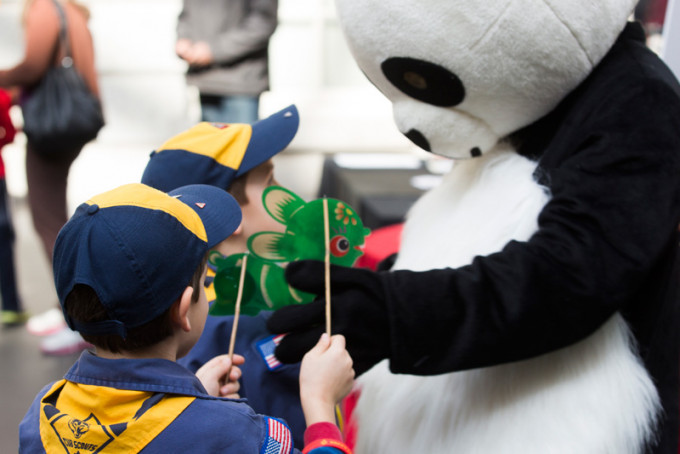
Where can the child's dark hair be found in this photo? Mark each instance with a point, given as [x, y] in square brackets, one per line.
[237, 189]
[83, 305]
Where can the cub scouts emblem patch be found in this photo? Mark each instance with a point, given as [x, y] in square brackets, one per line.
[266, 348]
[77, 436]
[78, 427]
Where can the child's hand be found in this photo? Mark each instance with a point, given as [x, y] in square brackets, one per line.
[220, 377]
[326, 376]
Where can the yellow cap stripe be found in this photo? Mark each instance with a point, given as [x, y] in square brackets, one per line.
[140, 195]
[225, 145]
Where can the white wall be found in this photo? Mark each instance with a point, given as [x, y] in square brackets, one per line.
[671, 36]
[146, 100]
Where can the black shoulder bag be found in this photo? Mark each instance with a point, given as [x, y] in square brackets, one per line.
[61, 113]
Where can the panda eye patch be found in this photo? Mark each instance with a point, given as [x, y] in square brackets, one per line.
[415, 80]
[424, 81]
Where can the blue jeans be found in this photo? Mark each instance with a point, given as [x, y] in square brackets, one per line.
[230, 109]
[8, 284]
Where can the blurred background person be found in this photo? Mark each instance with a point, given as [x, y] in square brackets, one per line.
[12, 312]
[226, 46]
[652, 13]
[47, 173]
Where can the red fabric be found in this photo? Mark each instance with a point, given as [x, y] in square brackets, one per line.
[380, 244]
[327, 443]
[656, 12]
[320, 431]
[349, 403]
[7, 130]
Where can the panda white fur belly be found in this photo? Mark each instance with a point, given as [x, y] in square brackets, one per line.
[592, 397]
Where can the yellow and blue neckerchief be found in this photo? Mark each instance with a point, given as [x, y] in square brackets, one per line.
[79, 418]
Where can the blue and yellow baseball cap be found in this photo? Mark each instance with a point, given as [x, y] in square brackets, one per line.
[138, 248]
[216, 153]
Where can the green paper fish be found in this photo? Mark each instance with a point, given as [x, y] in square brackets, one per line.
[304, 235]
[265, 287]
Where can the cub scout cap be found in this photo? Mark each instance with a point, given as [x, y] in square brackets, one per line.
[138, 247]
[216, 153]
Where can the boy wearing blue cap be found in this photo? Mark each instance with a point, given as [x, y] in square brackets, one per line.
[234, 157]
[129, 269]
[237, 158]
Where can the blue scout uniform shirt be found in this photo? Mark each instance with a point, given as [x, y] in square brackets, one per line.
[270, 387]
[154, 405]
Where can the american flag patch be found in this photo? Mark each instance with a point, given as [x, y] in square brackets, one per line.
[278, 440]
[266, 348]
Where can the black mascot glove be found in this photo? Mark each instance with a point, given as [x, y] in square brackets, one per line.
[358, 311]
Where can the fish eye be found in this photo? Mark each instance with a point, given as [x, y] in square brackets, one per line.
[339, 246]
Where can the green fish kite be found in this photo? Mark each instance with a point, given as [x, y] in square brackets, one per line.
[265, 287]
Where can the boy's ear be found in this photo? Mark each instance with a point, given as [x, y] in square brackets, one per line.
[179, 311]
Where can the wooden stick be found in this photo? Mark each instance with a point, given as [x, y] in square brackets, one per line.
[237, 309]
[327, 265]
[327, 276]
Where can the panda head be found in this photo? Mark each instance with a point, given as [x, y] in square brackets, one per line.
[462, 74]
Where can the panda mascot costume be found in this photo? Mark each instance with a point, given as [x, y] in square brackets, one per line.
[533, 306]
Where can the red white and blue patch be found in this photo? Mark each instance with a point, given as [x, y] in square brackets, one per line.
[266, 348]
[278, 440]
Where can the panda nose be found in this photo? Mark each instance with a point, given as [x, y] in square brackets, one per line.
[424, 81]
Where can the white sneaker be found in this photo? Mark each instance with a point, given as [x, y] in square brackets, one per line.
[47, 323]
[64, 342]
